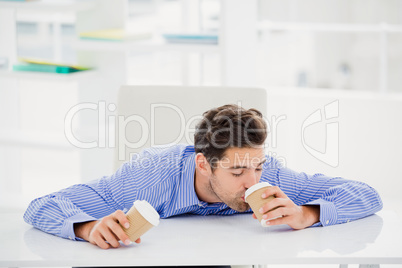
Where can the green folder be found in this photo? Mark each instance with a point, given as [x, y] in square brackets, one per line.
[44, 68]
[45, 62]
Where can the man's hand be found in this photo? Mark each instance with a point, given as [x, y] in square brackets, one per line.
[287, 212]
[105, 233]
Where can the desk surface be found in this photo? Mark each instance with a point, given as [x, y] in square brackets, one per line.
[191, 240]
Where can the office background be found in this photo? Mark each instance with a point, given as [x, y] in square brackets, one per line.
[307, 53]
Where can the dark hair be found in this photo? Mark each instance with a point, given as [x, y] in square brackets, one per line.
[226, 127]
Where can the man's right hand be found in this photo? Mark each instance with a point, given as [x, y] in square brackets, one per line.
[105, 233]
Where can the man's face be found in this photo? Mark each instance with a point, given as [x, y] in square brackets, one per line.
[239, 169]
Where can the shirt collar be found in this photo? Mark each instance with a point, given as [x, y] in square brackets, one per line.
[186, 195]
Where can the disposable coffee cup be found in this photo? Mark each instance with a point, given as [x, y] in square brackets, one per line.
[254, 199]
[142, 217]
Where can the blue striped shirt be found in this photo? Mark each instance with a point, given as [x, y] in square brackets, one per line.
[165, 178]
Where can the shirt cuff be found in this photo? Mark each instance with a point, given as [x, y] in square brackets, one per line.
[328, 213]
[67, 231]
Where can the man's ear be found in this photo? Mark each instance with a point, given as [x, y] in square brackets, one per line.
[202, 164]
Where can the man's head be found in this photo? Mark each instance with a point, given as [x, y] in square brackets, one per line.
[229, 145]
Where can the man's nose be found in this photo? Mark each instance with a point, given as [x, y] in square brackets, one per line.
[251, 179]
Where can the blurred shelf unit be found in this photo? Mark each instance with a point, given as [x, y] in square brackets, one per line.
[94, 15]
[329, 27]
[28, 16]
[59, 6]
[157, 45]
[382, 29]
[88, 15]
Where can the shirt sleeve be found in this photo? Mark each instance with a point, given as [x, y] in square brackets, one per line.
[56, 213]
[340, 200]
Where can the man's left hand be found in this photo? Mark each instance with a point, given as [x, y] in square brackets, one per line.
[287, 212]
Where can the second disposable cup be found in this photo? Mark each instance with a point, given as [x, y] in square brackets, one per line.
[254, 199]
[142, 217]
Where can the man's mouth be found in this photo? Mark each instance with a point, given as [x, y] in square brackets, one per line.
[243, 198]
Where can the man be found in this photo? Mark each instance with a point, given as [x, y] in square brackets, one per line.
[210, 177]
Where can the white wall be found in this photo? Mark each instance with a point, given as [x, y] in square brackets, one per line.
[327, 52]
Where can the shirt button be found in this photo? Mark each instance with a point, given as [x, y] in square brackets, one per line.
[70, 238]
[348, 221]
[199, 204]
[327, 222]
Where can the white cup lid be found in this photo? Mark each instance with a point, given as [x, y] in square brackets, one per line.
[147, 211]
[254, 188]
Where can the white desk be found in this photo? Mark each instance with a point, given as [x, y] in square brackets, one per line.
[197, 240]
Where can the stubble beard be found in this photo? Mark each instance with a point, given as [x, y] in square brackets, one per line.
[234, 201]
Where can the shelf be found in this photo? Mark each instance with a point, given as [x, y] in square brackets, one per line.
[59, 6]
[143, 46]
[306, 92]
[28, 16]
[34, 139]
[330, 27]
[50, 76]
